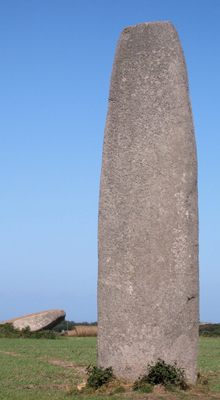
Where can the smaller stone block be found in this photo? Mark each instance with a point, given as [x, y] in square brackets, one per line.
[38, 321]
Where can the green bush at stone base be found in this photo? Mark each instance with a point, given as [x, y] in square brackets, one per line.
[98, 376]
[163, 374]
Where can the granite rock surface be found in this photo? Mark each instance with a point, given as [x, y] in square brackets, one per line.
[38, 321]
[148, 284]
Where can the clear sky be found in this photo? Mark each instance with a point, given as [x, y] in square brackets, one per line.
[56, 61]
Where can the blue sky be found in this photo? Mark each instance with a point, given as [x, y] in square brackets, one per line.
[56, 60]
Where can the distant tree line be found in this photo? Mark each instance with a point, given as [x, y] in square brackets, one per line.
[206, 330]
[67, 325]
[209, 330]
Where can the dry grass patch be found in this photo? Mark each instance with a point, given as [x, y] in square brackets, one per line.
[115, 387]
[82, 331]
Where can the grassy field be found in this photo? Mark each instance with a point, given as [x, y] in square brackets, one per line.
[43, 369]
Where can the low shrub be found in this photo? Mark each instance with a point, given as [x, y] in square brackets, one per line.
[98, 376]
[8, 331]
[163, 374]
[214, 333]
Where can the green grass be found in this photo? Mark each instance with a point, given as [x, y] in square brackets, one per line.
[75, 349]
[209, 361]
[47, 369]
[36, 369]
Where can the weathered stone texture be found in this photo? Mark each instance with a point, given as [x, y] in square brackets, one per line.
[148, 286]
[38, 321]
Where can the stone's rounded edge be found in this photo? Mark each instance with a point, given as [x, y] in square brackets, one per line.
[150, 27]
[33, 314]
[38, 321]
[127, 28]
[131, 28]
[152, 37]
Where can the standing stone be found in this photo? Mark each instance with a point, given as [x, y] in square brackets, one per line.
[148, 286]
